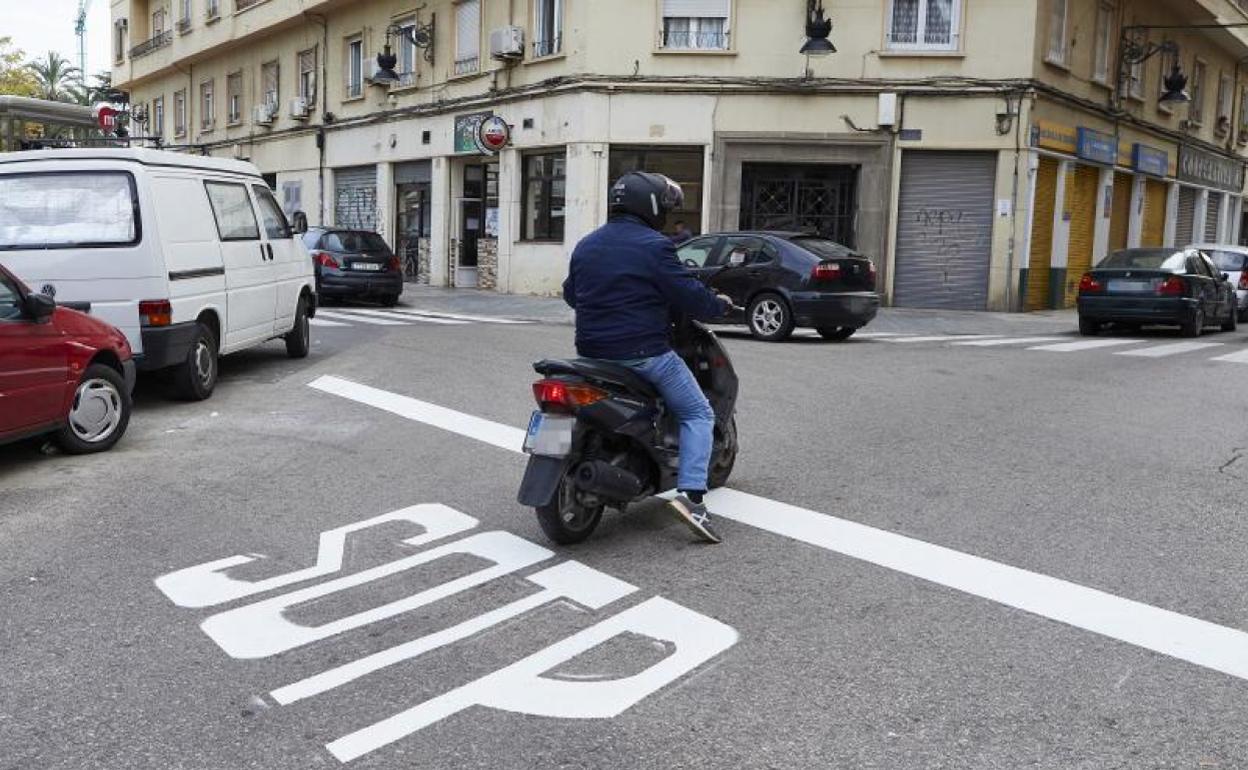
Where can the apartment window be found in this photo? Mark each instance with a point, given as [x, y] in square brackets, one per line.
[158, 117]
[355, 68]
[467, 36]
[184, 16]
[923, 25]
[179, 113]
[234, 98]
[213, 9]
[407, 52]
[119, 40]
[1058, 23]
[158, 21]
[684, 165]
[1223, 124]
[1196, 87]
[695, 25]
[1165, 64]
[1104, 38]
[269, 84]
[547, 27]
[1243, 116]
[544, 180]
[206, 105]
[307, 76]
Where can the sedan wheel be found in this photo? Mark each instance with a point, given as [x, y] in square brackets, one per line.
[836, 333]
[769, 318]
[99, 413]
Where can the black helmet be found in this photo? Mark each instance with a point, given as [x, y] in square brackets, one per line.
[646, 195]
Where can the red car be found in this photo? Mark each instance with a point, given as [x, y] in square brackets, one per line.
[61, 371]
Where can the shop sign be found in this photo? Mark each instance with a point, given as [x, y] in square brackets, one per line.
[1054, 136]
[1150, 160]
[467, 128]
[1205, 168]
[1096, 146]
[493, 134]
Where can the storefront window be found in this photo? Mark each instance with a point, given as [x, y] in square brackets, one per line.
[683, 165]
[545, 178]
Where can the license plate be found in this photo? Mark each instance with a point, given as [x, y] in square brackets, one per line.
[366, 266]
[549, 435]
[1129, 286]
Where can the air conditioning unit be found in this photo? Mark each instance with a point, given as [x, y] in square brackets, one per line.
[299, 108]
[507, 43]
[263, 115]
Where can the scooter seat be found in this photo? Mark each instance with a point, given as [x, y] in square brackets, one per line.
[601, 372]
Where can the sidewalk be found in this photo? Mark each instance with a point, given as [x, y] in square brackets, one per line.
[552, 310]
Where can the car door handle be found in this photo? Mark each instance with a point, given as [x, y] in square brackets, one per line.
[269, 246]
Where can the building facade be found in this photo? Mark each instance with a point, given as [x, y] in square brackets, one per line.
[983, 152]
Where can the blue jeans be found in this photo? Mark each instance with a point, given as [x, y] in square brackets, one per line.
[680, 391]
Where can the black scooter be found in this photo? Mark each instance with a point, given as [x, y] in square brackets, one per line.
[602, 438]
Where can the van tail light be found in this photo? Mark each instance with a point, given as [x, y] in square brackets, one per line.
[1243, 280]
[560, 396]
[325, 259]
[1172, 287]
[394, 264]
[1089, 285]
[155, 312]
[826, 271]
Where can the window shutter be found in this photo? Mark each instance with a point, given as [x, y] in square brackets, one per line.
[468, 30]
[696, 9]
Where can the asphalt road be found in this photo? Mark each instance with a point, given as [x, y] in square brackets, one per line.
[802, 641]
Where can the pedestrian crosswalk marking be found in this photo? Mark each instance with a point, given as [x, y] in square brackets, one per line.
[360, 319]
[942, 338]
[327, 324]
[407, 317]
[1161, 351]
[345, 317]
[1234, 358]
[1074, 347]
[485, 319]
[1010, 341]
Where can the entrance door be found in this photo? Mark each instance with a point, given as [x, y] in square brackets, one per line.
[411, 225]
[812, 198]
[478, 205]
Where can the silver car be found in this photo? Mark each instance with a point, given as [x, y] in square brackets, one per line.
[1231, 259]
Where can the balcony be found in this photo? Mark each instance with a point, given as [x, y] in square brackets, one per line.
[184, 25]
[161, 40]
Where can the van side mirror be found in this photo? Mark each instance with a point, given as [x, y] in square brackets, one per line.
[39, 307]
[299, 222]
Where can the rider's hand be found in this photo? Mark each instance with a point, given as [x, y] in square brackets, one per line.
[728, 303]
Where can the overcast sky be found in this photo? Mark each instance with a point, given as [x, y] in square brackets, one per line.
[39, 26]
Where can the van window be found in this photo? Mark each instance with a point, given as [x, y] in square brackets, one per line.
[231, 207]
[59, 210]
[275, 224]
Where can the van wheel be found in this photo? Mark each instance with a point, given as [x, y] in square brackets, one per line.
[299, 339]
[99, 413]
[195, 378]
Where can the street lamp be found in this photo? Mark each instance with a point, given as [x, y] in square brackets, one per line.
[418, 36]
[1132, 52]
[818, 29]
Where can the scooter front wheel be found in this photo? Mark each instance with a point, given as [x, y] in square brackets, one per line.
[566, 519]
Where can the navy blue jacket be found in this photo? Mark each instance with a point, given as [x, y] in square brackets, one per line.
[626, 285]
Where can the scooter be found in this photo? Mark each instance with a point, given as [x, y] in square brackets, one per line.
[602, 437]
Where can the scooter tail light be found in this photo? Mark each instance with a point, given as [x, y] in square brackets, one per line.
[155, 312]
[564, 396]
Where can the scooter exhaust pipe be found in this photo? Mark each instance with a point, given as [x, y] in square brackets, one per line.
[607, 480]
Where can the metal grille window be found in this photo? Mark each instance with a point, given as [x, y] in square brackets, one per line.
[1104, 33]
[547, 27]
[1058, 25]
[307, 76]
[467, 37]
[355, 68]
[158, 117]
[545, 177]
[1196, 111]
[269, 84]
[924, 25]
[179, 113]
[207, 106]
[695, 25]
[234, 98]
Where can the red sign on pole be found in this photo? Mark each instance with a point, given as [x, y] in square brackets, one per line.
[106, 117]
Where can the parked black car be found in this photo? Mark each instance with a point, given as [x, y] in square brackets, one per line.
[354, 264]
[1172, 287]
[785, 280]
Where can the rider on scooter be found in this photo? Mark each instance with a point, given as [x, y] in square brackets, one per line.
[626, 285]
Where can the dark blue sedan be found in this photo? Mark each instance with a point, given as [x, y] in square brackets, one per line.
[1157, 286]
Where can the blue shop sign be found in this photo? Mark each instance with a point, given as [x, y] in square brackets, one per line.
[1150, 160]
[1096, 146]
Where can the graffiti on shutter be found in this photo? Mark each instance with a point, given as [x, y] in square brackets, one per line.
[355, 198]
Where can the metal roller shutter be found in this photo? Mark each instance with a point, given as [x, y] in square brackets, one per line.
[355, 198]
[1120, 215]
[1213, 216]
[1153, 232]
[944, 229]
[1041, 261]
[1185, 225]
[1081, 190]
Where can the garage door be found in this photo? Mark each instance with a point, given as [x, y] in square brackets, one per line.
[944, 229]
[1213, 217]
[1185, 225]
[1041, 260]
[355, 198]
[1081, 189]
[1153, 231]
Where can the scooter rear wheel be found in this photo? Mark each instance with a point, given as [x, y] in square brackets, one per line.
[566, 520]
[724, 460]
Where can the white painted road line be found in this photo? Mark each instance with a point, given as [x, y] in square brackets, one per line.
[1074, 347]
[460, 317]
[1179, 636]
[407, 317]
[1234, 358]
[493, 433]
[359, 319]
[324, 323]
[943, 338]
[1161, 351]
[876, 335]
[1010, 341]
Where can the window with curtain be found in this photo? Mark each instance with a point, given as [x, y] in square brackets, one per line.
[1057, 48]
[269, 83]
[158, 117]
[1224, 103]
[1243, 115]
[924, 25]
[406, 68]
[207, 105]
[179, 113]
[1165, 63]
[545, 176]
[547, 27]
[1104, 33]
[1196, 87]
[467, 37]
[696, 25]
[307, 76]
[355, 68]
[234, 98]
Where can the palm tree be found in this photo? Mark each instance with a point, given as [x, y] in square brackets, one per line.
[58, 81]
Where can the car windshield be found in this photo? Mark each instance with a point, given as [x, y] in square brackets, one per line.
[58, 210]
[353, 242]
[1230, 261]
[1147, 259]
[822, 247]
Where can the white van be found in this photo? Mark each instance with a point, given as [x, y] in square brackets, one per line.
[191, 257]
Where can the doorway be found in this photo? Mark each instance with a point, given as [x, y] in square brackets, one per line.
[478, 219]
